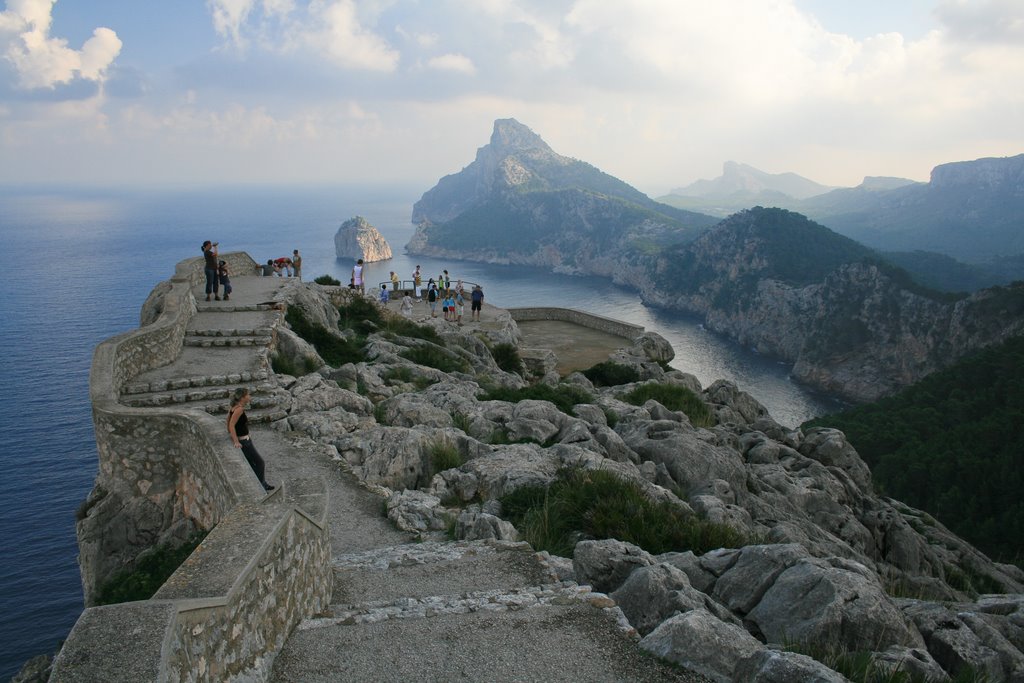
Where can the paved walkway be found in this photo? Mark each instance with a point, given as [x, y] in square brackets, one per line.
[402, 610]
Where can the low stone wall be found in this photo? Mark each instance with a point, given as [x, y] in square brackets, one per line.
[265, 565]
[571, 315]
[227, 610]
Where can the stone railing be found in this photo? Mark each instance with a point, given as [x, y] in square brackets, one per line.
[225, 611]
[596, 322]
[177, 462]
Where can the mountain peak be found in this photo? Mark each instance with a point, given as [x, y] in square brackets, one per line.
[511, 136]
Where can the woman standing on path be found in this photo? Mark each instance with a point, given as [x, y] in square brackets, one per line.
[238, 428]
[210, 268]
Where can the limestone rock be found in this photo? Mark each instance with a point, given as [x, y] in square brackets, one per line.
[699, 641]
[823, 602]
[775, 666]
[357, 239]
[416, 511]
[481, 526]
[606, 564]
[654, 593]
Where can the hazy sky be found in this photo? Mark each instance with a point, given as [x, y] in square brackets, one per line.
[656, 92]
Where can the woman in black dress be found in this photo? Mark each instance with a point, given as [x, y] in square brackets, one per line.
[238, 428]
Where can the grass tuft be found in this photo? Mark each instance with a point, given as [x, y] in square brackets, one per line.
[283, 365]
[333, 349]
[152, 569]
[507, 357]
[436, 357]
[611, 374]
[444, 456]
[597, 504]
[327, 280]
[673, 397]
[564, 396]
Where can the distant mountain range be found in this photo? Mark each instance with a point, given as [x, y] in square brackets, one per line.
[972, 211]
[852, 322]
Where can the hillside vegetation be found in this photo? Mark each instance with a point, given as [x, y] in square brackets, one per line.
[952, 445]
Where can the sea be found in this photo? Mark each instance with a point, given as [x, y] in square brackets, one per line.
[81, 262]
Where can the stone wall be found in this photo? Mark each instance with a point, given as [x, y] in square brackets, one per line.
[596, 322]
[228, 609]
[264, 566]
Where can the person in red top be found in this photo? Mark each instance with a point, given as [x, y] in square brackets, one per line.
[283, 264]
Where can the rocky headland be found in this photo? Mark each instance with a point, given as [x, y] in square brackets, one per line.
[827, 563]
[780, 557]
[357, 239]
[851, 323]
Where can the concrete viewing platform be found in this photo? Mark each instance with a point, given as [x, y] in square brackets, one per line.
[388, 607]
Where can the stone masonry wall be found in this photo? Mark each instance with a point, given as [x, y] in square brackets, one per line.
[264, 567]
[595, 322]
[223, 615]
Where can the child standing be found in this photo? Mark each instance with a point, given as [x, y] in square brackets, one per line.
[384, 296]
[460, 306]
[224, 275]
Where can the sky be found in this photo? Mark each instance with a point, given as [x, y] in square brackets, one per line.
[658, 93]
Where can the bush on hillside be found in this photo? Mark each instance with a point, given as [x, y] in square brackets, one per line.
[327, 280]
[597, 504]
[948, 445]
[152, 568]
[335, 350]
[564, 396]
[673, 397]
[611, 374]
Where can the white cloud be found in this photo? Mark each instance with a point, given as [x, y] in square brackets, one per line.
[335, 28]
[452, 62]
[43, 61]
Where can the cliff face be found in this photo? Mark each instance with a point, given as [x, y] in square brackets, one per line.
[771, 279]
[520, 202]
[357, 239]
[851, 326]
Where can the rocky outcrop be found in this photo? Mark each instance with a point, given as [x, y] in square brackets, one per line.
[357, 239]
[826, 555]
[850, 326]
[772, 280]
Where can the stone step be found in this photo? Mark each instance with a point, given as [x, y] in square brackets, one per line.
[230, 307]
[213, 397]
[561, 633]
[181, 383]
[265, 331]
[207, 341]
[435, 568]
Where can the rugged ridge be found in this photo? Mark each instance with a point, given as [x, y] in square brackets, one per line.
[356, 239]
[831, 552]
[520, 202]
[852, 324]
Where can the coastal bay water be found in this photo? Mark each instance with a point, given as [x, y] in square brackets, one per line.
[81, 263]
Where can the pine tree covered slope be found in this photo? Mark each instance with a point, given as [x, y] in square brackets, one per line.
[953, 445]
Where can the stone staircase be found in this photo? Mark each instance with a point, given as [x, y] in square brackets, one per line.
[466, 610]
[226, 346]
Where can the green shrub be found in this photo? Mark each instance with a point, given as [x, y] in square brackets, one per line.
[673, 397]
[444, 456]
[401, 373]
[380, 414]
[333, 349]
[435, 357]
[611, 374]
[611, 416]
[327, 280]
[284, 365]
[359, 311]
[507, 357]
[564, 396]
[152, 569]
[407, 328]
[461, 421]
[597, 504]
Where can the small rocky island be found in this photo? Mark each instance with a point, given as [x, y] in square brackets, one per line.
[357, 239]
